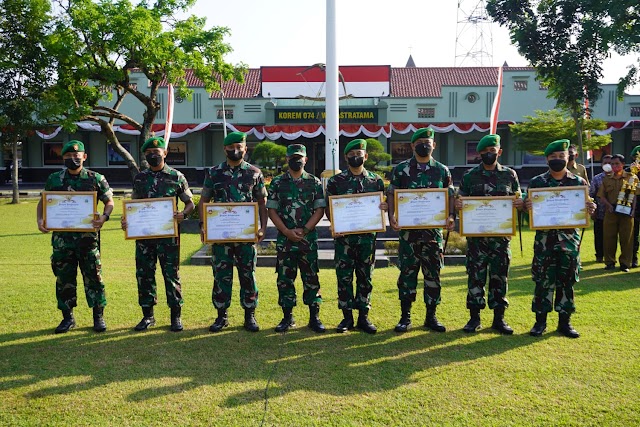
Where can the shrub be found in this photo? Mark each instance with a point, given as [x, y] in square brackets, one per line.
[457, 245]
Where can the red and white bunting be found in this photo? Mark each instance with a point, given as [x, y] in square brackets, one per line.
[495, 109]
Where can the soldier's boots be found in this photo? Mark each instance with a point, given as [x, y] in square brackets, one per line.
[364, 324]
[147, 319]
[250, 323]
[499, 323]
[176, 321]
[474, 323]
[564, 326]
[287, 321]
[431, 321]
[346, 323]
[67, 323]
[314, 319]
[540, 326]
[222, 321]
[405, 317]
[99, 325]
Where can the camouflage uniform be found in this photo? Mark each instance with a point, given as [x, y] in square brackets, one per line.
[224, 184]
[354, 251]
[420, 249]
[488, 253]
[148, 184]
[556, 259]
[295, 201]
[71, 250]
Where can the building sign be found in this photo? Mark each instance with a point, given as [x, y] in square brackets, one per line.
[318, 115]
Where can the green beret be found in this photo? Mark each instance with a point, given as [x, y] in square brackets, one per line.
[296, 150]
[635, 152]
[154, 142]
[488, 141]
[234, 137]
[72, 147]
[423, 133]
[356, 144]
[559, 145]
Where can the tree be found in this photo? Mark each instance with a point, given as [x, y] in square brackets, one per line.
[25, 73]
[377, 154]
[269, 154]
[101, 42]
[537, 131]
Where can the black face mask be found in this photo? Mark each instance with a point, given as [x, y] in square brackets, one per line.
[73, 163]
[423, 150]
[154, 160]
[572, 157]
[296, 164]
[557, 165]
[489, 158]
[234, 155]
[355, 161]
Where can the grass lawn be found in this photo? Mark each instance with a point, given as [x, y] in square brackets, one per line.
[301, 378]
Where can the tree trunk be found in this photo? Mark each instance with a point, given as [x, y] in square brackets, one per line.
[112, 139]
[14, 172]
[579, 129]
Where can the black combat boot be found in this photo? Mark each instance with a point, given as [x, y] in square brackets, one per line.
[431, 321]
[540, 326]
[147, 319]
[176, 321]
[250, 323]
[222, 321]
[99, 324]
[67, 323]
[564, 326]
[474, 321]
[287, 321]
[364, 324]
[346, 323]
[314, 319]
[405, 317]
[498, 322]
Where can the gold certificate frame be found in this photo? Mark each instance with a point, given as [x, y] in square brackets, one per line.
[357, 213]
[150, 218]
[490, 216]
[230, 222]
[69, 210]
[558, 207]
[421, 208]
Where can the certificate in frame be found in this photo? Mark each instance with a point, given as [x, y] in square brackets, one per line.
[357, 213]
[421, 208]
[71, 211]
[230, 222]
[492, 216]
[150, 218]
[558, 207]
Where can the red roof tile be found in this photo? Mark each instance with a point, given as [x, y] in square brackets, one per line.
[249, 89]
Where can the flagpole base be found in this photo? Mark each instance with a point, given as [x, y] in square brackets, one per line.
[326, 174]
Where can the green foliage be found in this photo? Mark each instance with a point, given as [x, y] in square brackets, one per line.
[377, 154]
[536, 132]
[456, 245]
[269, 154]
[196, 212]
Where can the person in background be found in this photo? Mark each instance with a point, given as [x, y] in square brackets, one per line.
[575, 167]
[598, 216]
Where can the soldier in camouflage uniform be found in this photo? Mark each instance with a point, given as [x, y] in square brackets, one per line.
[420, 249]
[159, 180]
[71, 249]
[296, 205]
[556, 259]
[355, 251]
[235, 180]
[489, 255]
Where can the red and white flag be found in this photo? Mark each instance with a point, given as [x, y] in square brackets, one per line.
[169, 123]
[495, 109]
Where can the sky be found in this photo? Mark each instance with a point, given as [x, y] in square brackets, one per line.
[369, 32]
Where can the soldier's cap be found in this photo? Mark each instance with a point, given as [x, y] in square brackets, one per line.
[356, 144]
[234, 137]
[635, 152]
[296, 150]
[559, 145]
[154, 142]
[488, 141]
[428, 133]
[73, 146]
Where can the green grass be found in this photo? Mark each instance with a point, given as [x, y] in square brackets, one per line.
[198, 378]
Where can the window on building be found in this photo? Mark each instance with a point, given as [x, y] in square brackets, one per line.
[114, 158]
[426, 112]
[227, 113]
[520, 85]
[473, 158]
[51, 153]
[635, 111]
[177, 153]
[543, 86]
[635, 135]
[400, 151]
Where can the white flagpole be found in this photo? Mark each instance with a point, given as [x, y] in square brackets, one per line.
[332, 145]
